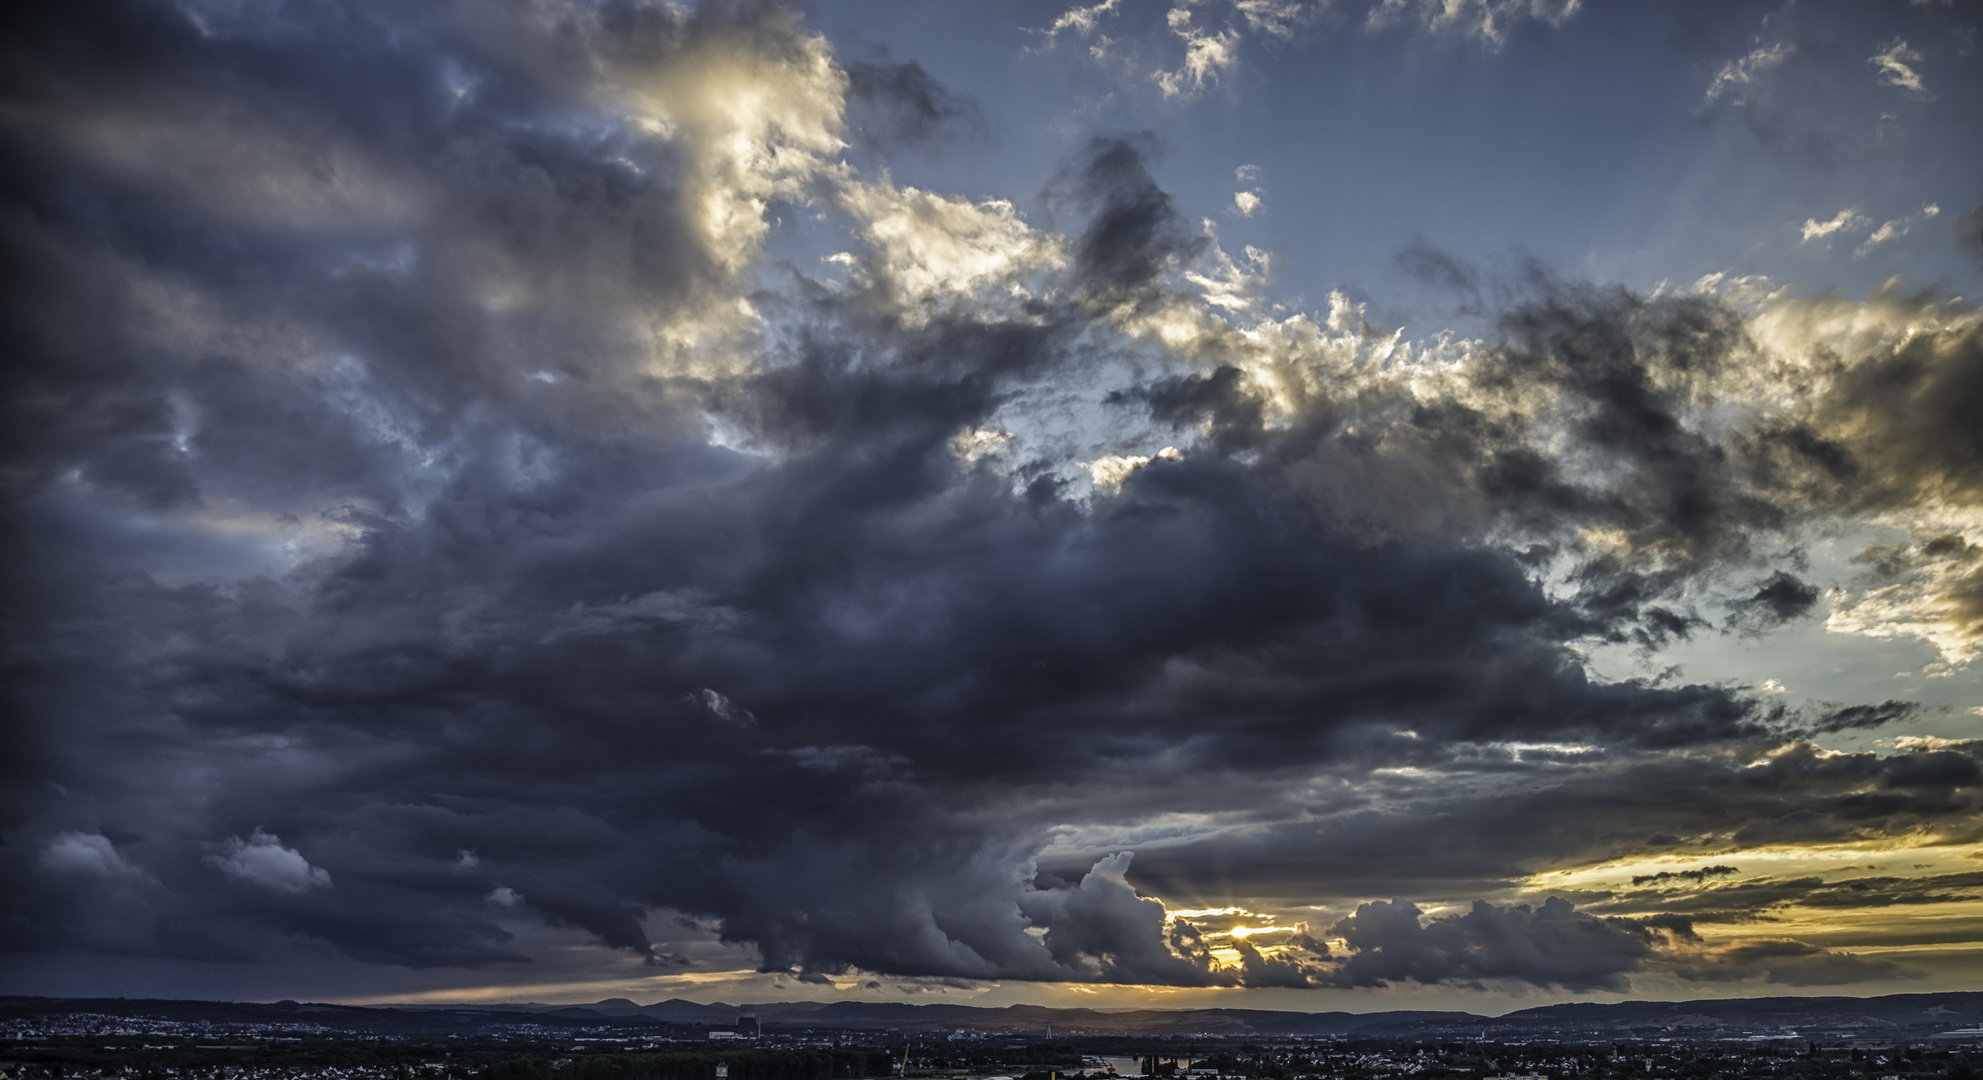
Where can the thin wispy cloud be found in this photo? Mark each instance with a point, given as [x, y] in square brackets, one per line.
[1735, 78]
[1206, 56]
[1896, 228]
[1082, 20]
[1208, 40]
[1895, 62]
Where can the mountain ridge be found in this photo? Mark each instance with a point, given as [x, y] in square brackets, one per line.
[1929, 1013]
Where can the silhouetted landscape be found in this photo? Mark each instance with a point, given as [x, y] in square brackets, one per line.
[1926, 1035]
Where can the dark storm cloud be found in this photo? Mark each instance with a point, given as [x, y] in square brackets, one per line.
[1909, 423]
[1851, 717]
[1493, 822]
[1616, 375]
[1622, 370]
[1134, 231]
[1646, 495]
[1103, 922]
[1765, 897]
[1702, 874]
[1788, 962]
[1550, 945]
[384, 572]
[1777, 600]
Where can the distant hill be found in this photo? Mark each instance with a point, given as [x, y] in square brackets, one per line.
[1839, 1013]
[1948, 1010]
[1912, 1015]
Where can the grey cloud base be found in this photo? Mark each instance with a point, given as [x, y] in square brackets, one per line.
[374, 577]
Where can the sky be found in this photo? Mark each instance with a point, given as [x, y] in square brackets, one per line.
[1359, 504]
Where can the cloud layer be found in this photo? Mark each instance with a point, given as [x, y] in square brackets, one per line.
[433, 510]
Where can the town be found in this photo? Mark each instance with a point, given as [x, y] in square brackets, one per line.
[286, 1041]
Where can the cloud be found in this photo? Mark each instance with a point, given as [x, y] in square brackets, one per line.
[1082, 20]
[1702, 874]
[924, 246]
[1277, 18]
[1111, 470]
[1895, 60]
[1818, 230]
[1134, 233]
[1206, 56]
[724, 709]
[1734, 78]
[262, 860]
[1499, 814]
[477, 475]
[1103, 929]
[1778, 599]
[1556, 945]
[1487, 21]
[1792, 963]
[1550, 945]
[1896, 228]
[1770, 89]
[897, 107]
[1199, 43]
[1866, 716]
[87, 855]
[1888, 231]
